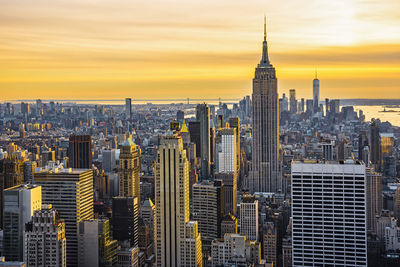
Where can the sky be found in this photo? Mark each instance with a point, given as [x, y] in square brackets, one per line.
[112, 49]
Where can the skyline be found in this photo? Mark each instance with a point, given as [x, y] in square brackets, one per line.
[95, 50]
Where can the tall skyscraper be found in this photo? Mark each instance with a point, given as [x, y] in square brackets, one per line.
[203, 116]
[230, 190]
[249, 217]
[80, 151]
[265, 174]
[293, 101]
[19, 204]
[177, 237]
[125, 219]
[128, 107]
[45, 242]
[329, 221]
[316, 93]
[70, 191]
[129, 170]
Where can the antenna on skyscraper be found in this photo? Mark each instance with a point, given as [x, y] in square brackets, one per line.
[265, 27]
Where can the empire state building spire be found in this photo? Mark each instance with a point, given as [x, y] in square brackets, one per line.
[265, 60]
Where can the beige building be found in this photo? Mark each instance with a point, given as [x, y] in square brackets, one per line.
[235, 250]
[249, 217]
[129, 170]
[178, 241]
[45, 243]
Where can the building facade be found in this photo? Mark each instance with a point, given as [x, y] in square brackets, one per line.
[329, 222]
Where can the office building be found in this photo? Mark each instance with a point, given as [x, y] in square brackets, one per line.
[80, 151]
[95, 247]
[203, 116]
[329, 221]
[70, 191]
[19, 204]
[194, 131]
[265, 174]
[125, 220]
[208, 210]
[249, 217]
[129, 170]
[172, 206]
[45, 243]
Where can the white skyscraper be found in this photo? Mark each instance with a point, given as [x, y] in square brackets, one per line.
[249, 217]
[178, 241]
[329, 214]
[227, 151]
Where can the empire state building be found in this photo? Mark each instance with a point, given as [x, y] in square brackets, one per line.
[265, 173]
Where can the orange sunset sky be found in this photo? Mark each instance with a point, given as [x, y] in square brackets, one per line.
[99, 49]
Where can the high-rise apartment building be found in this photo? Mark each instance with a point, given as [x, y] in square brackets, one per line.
[80, 151]
[45, 243]
[129, 170]
[172, 207]
[329, 221]
[70, 191]
[203, 116]
[94, 244]
[19, 204]
[249, 217]
[265, 175]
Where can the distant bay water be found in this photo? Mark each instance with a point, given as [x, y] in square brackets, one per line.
[384, 113]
